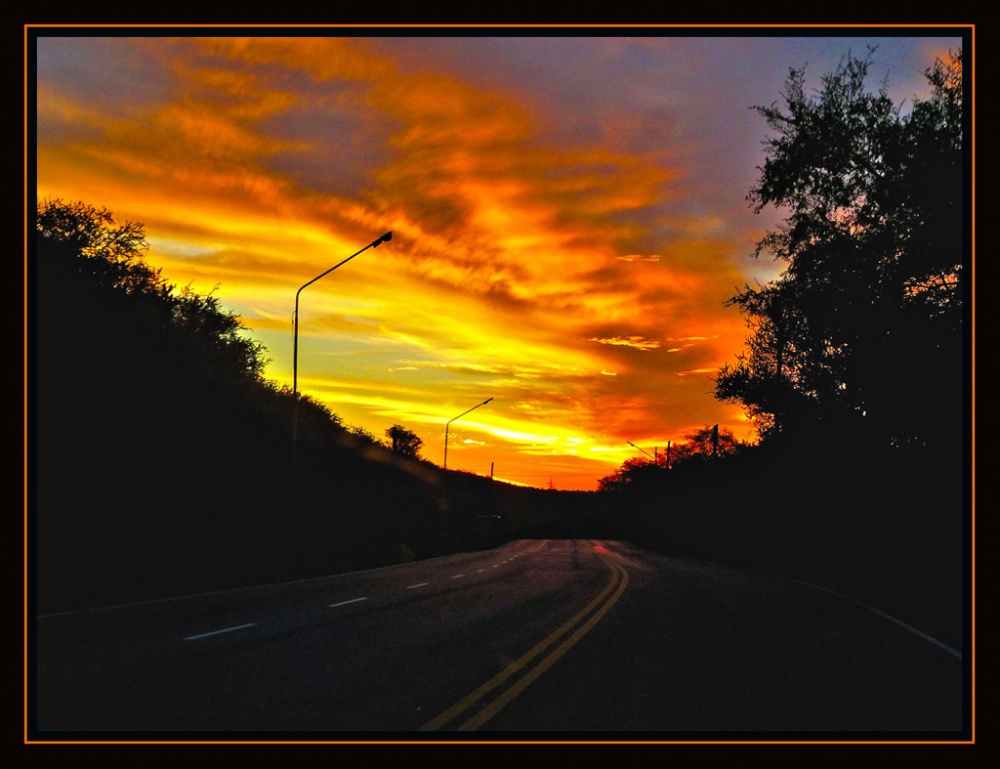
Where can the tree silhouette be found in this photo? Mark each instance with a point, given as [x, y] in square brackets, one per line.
[864, 326]
[106, 258]
[697, 448]
[632, 472]
[710, 442]
[404, 442]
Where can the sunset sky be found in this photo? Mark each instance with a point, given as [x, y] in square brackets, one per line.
[568, 212]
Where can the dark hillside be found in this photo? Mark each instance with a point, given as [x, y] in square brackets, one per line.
[163, 461]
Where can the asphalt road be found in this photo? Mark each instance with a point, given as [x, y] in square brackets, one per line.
[537, 639]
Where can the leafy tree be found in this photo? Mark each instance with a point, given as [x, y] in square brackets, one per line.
[864, 325]
[108, 252]
[404, 442]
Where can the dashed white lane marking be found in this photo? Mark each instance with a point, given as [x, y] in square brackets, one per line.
[331, 606]
[217, 632]
[344, 603]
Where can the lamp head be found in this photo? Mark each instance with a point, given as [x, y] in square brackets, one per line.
[383, 239]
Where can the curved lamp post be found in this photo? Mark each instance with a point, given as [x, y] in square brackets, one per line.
[295, 344]
[642, 450]
[448, 426]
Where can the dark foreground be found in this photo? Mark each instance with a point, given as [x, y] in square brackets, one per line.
[577, 639]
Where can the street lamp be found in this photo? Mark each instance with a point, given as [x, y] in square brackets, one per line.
[295, 344]
[642, 450]
[448, 425]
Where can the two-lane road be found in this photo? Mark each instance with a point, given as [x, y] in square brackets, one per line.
[563, 637]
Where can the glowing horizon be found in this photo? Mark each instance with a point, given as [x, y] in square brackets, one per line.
[568, 217]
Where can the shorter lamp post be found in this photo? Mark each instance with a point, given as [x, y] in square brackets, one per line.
[651, 456]
[447, 427]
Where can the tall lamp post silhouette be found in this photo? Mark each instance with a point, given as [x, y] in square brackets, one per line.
[448, 426]
[295, 344]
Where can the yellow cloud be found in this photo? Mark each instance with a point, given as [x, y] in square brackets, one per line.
[637, 342]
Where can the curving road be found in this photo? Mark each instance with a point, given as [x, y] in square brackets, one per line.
[568, 639]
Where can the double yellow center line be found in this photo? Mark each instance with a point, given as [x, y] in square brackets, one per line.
[490, 698]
